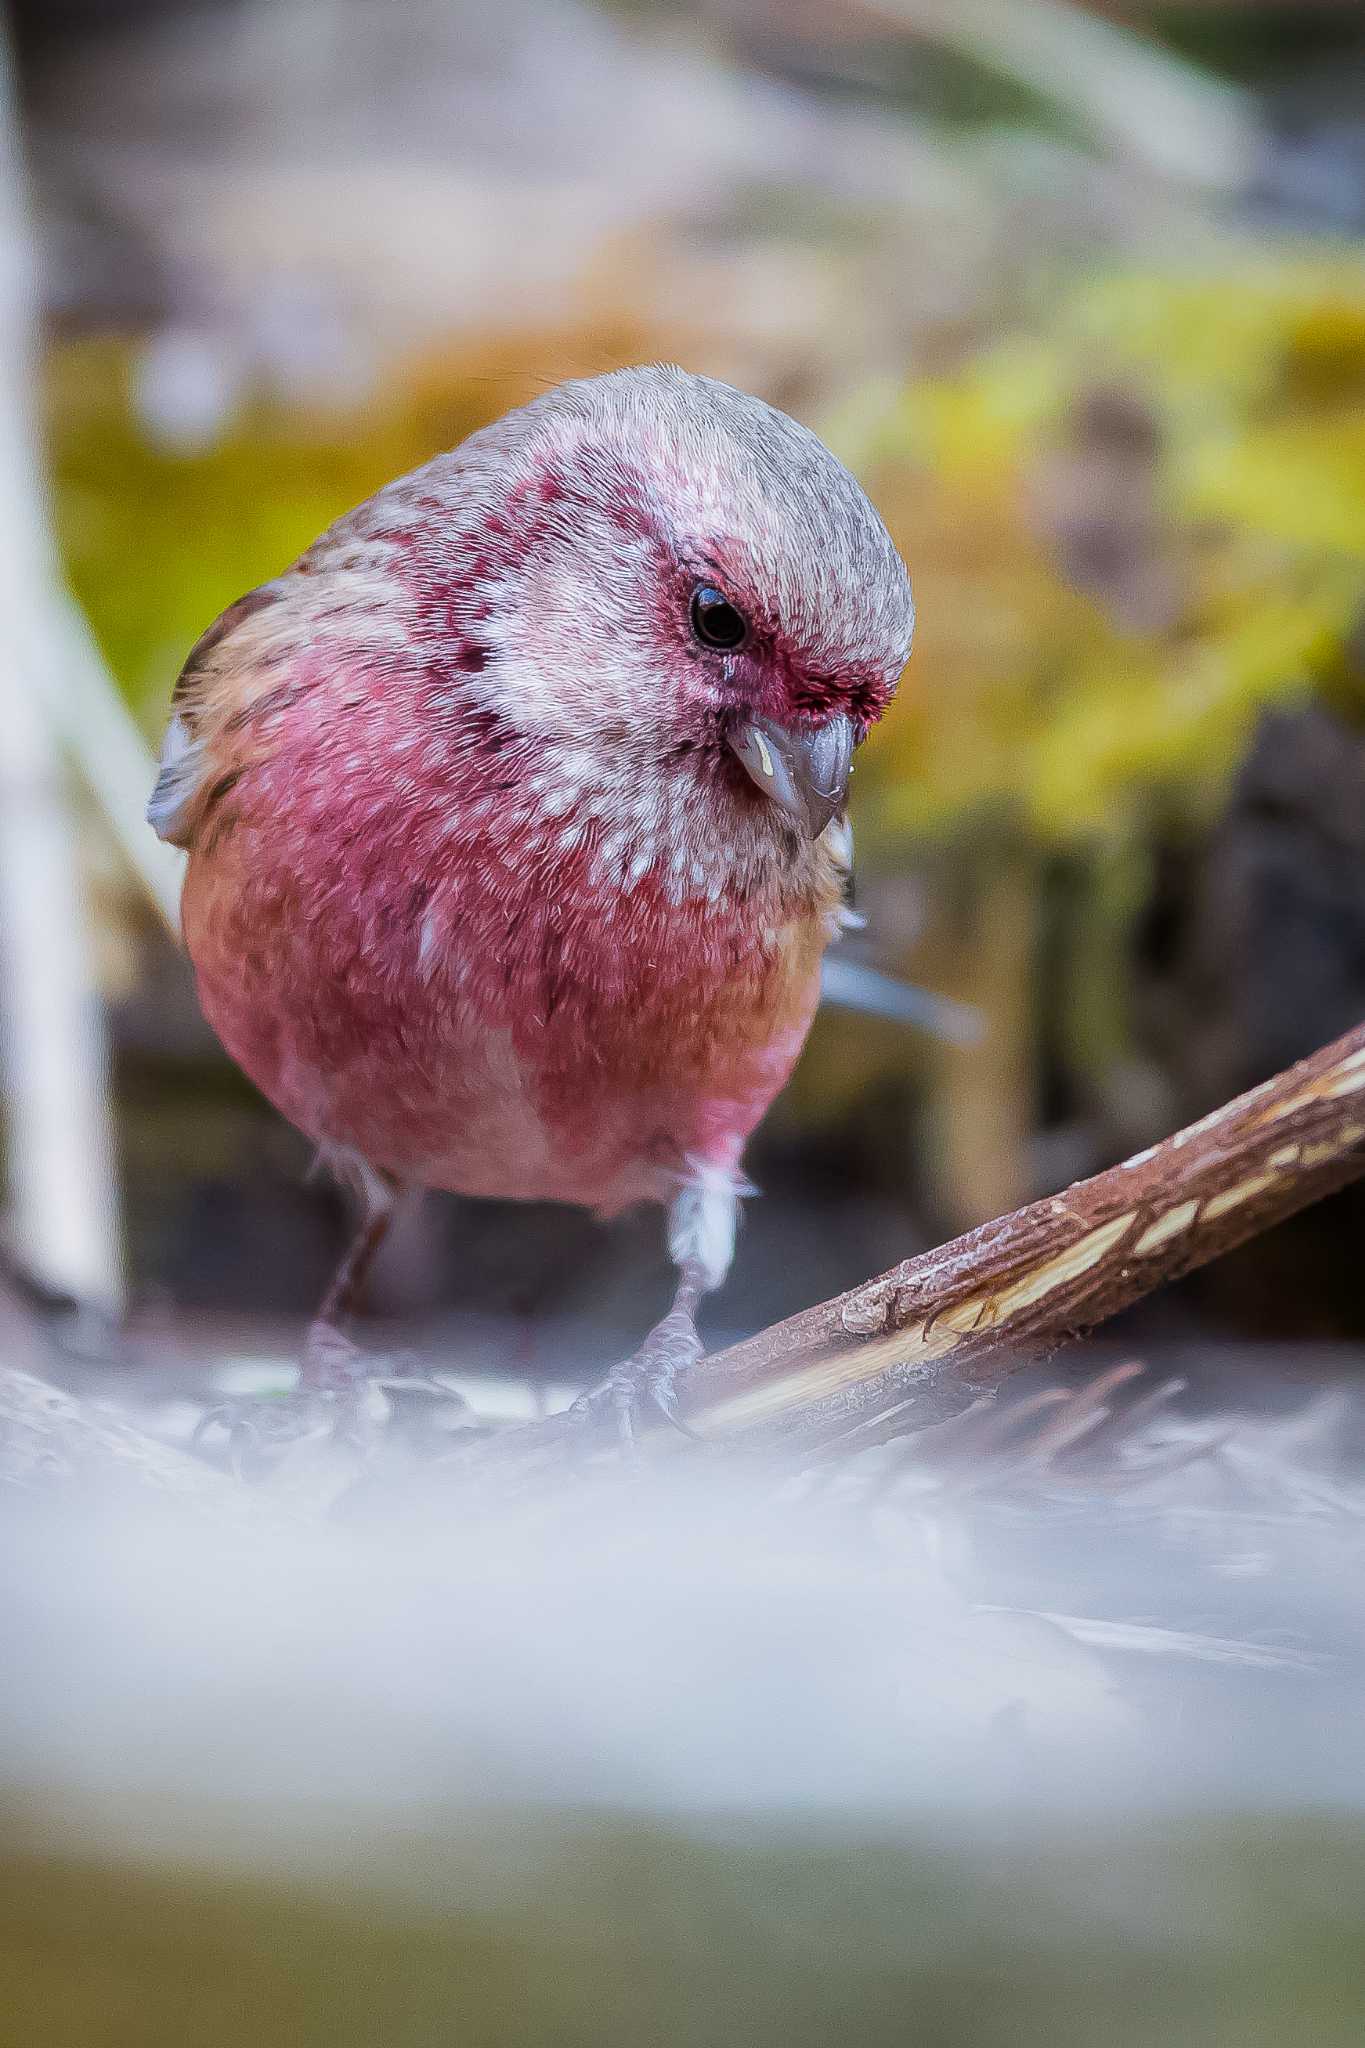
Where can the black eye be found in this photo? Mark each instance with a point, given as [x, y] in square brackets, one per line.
[715, 621]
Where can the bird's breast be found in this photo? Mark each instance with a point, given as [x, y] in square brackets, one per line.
[497, 997]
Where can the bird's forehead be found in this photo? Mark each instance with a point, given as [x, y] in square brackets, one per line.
[657, 466]
[744, 491]
[728, 465]
[787, 531]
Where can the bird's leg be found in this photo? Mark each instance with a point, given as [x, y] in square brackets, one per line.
[673, 1345]
[331, 1360]
[360, 1386]
[332, 1370]
[701, 1237]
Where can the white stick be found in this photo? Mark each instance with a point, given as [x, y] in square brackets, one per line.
[1131, 95]
[110, 755]
[52, 1043]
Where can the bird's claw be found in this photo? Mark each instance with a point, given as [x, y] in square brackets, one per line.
[660, 1392]
[252, 1436]
[344, 1399]
[647, 1381]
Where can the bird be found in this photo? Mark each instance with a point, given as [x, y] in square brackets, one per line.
[515, 814]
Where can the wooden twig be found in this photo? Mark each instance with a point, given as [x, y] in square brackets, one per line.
[52, 1441]
[918, 1343]
[913, 1347]
[108, 752]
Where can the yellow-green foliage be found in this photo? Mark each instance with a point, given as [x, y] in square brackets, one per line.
[1029, 693]
[156, 543]
[490, 1929]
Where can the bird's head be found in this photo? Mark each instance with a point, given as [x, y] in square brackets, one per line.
[656, 564]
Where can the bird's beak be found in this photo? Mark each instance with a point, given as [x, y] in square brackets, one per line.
[805, 771]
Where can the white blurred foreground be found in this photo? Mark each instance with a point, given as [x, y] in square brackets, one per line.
[911, 1634]
[1020, 1735]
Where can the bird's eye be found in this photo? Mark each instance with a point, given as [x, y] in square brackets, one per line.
[715, 620]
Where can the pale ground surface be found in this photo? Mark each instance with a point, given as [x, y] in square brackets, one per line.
[1011, 1744]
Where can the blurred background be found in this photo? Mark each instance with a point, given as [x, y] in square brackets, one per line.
[1017, 1737]
[1080, 294]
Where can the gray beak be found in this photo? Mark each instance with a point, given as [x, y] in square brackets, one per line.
[805, 772]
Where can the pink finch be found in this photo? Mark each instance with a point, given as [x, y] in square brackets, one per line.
[514, 811]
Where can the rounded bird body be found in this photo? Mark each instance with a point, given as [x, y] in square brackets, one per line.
[454, 992]
[511, 808]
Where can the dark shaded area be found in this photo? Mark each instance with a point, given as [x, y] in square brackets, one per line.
[1251, 954]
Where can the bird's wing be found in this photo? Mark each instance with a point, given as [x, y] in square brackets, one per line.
[201, 705]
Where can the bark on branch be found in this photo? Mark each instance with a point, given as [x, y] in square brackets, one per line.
[909, 1348]
[917, 1343]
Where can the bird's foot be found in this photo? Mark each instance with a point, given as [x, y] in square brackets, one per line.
[254, 1434]
[345, 1399]
[643, 1389]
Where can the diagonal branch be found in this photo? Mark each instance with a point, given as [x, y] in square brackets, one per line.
[917, 1343]
[907, 1349]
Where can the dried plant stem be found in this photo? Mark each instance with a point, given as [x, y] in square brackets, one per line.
[51, 1441]
[1142, 101]
[912, 1347]
[919, 1342]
